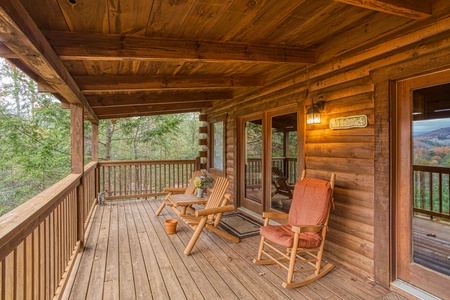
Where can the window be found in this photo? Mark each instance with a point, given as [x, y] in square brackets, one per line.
[217, 145]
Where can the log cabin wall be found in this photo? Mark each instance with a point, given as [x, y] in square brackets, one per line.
[359, 226]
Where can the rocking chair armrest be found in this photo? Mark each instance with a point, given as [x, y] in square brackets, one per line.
[306, 228]
[274, 215]
[174, 190]
[215, 210]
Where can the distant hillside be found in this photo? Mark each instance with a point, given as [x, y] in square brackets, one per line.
[436, 138]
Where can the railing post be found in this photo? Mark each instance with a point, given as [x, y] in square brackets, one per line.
[197, 163]
[94, 149]
[203, 141]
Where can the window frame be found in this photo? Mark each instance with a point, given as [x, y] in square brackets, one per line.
[211, 153]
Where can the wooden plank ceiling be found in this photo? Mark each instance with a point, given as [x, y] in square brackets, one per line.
[124, 58]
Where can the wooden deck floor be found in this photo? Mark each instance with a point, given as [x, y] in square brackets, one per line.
[432, 244]
[129, 255]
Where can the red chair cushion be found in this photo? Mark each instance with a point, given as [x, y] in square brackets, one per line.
[310, 206]
[310, 203]
[283, 235]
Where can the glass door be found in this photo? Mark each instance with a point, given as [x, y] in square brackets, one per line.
[283, 160]
[252, 163]
[268, 150]
[422, 182]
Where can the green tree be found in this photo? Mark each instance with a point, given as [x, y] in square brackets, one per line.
[34, 139]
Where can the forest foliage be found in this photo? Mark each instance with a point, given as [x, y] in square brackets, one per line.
[35, 138]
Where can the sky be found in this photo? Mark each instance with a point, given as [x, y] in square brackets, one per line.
[424, 126]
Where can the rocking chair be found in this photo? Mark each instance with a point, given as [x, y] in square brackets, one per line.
[189, 190]
[298, 246]
[209, 217]
[280, 183]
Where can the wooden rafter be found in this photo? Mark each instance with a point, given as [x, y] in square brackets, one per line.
[146, 114]
[21, 35]
[142, 83]
[74, 46]
[143, 109]
[110, 100]
[5, 52]
[414, 9]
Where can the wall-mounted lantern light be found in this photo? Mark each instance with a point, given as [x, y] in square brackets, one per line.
[313, 112]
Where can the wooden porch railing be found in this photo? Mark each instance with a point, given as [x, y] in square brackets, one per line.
[431, 191]
[137, 179]
[39, 240]
[288, 165]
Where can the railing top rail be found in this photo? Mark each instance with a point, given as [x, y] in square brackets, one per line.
[90, 166]
[434, 169]
[21, 221]
[275, 158]
[145, 162]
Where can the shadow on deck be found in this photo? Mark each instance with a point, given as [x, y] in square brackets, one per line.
[129, 255]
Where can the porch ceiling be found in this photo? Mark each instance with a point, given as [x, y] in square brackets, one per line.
[139, 57]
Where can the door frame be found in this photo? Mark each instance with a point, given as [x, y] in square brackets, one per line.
[241, 151]
[266, 116]
[285, 110]
[403, 266]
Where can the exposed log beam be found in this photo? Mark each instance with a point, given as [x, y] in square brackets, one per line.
[414, 9]
[93, 84]
[158, 108]
[24, 68]
[129, 115]
[74, 46]
[5, 52]
[101, 100]
[22, 36]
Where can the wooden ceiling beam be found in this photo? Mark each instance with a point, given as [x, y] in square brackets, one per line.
[110, 100]
[22, 36]
[93, 84]
[146, 114]
[414, 9]
[157, 108]
[75, 46]
[5, 52]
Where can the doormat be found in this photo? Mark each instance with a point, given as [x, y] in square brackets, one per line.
[239, 225]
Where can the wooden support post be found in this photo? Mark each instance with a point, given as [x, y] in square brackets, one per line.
[203, 141]
[77, 163]
[197, 163]
[76, 139]
[94, 142]
[94, 153]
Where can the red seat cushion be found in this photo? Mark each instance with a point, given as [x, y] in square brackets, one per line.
[283, 235]
[310, 206]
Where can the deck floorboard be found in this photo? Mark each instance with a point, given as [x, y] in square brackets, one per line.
[129, 255]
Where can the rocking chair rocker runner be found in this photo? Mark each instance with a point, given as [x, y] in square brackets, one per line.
[303, 236]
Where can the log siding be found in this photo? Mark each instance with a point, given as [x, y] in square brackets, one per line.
[354, 83]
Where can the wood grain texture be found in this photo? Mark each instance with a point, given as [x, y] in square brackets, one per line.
[159, 97]
[405, 8]
[75, 46]
[218, 268]
[23, 37]
[163, 82]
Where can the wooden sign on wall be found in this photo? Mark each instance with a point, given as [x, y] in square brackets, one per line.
[349, 122]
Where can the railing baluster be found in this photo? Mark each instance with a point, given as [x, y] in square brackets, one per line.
[430, 188]
[426, 192]
[440, 192]
[136, 179]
